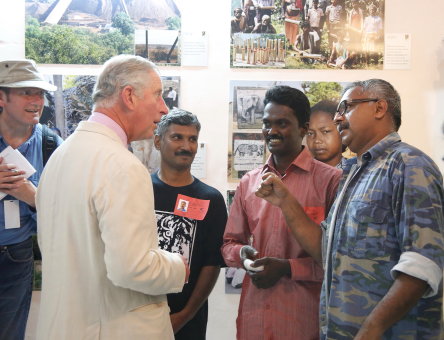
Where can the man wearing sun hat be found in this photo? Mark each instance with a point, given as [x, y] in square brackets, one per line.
[22, 95]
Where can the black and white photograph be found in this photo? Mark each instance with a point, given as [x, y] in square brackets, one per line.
[176, 233]
[248, 107]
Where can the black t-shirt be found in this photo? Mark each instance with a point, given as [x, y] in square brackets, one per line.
[199, 241]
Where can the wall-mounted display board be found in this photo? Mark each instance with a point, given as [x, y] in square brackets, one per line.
[246, 146]
[92, 31]
[307, 34]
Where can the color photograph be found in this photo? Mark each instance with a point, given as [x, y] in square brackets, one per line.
[316, 34]
[92, 31]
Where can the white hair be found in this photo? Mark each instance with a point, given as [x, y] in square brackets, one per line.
[118, 72]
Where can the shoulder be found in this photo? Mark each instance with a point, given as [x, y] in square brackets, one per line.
[406, 156]
[207, 190]
[252, 175]
[325, 169]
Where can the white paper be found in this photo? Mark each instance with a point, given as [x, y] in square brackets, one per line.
[198, 167]
[194, 48]
[13, 156]
[12, 214]
[397, 51]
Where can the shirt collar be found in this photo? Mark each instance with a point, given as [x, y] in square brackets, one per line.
[103, 119]
[302, 161]
[377, 149]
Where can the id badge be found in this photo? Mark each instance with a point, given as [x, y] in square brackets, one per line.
[12, 214]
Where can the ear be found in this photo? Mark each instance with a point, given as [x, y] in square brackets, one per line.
[381, 109]
[128, 97]
[157, 142]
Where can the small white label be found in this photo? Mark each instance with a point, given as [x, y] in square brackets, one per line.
[12, 214]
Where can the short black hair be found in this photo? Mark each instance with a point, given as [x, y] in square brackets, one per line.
[327, 106]
[291, 97]
[178, 117]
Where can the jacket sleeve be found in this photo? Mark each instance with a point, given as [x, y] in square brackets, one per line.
[125, 212]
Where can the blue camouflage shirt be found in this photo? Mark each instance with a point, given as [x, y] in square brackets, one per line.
[389, 220]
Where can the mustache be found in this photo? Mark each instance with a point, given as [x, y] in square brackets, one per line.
[183, 153]
[274, 137]
[342, 126]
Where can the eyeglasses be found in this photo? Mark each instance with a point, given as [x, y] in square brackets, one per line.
[345, 104]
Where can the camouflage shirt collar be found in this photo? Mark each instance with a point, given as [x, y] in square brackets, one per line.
[378, 149]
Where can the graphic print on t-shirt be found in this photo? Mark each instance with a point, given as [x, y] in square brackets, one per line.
[176, 233]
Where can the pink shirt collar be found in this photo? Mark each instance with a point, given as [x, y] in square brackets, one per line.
[103, 119]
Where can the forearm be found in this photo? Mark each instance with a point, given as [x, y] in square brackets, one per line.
[401, 297]
[204, 285]
[306, 232]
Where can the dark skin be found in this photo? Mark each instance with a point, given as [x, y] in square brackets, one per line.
[283, 136]
[178, 146]
[361, 127]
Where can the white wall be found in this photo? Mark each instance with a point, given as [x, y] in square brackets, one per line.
[204, 90]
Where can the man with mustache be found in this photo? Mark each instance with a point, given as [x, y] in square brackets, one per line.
[22, 97]
[104, 276]
[382, 243]
[282, 300]
[191, 219]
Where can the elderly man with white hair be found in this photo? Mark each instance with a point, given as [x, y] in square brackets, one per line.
[104, 276]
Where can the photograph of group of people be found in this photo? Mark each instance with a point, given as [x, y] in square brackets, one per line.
[315, 34]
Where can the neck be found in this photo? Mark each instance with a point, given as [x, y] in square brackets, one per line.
[375, 140]
[14, 134]
[174, 177]
[335, 161]
[113, 113]
[281, 163]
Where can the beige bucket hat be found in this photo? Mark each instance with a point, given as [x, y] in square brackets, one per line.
[22, 73]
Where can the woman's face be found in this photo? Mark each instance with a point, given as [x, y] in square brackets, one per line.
[323, 138]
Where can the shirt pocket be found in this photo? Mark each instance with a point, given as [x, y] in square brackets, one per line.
[367, 232]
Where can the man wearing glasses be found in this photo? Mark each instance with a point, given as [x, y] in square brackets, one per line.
[382, 243]
[22, 97]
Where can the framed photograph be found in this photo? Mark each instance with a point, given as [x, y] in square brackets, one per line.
[247, 153]
[92, 31]
[297, 34]
[248, 107]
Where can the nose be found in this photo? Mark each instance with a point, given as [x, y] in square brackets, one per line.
[338, 118]
[163, 107]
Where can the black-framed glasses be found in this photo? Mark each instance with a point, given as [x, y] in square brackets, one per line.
[345, 104]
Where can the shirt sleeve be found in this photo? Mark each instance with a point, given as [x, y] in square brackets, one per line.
[418, 201]
[215, 226]
[236, 232]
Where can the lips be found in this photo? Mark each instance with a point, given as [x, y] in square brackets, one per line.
[274, 140]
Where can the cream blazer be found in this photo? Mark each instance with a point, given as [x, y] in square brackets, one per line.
[104, 276]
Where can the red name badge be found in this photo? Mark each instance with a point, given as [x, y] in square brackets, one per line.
[190, 207]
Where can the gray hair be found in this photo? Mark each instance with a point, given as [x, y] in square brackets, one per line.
[179, 117]
[382, 89]
[118, 72]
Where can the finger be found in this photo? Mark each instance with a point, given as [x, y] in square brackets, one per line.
[7, 167]
[14, 177]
